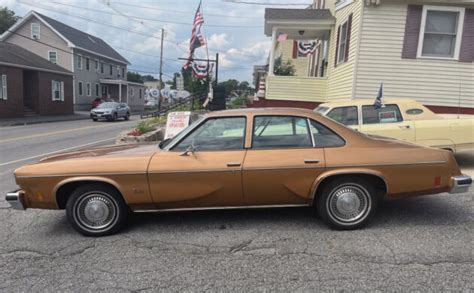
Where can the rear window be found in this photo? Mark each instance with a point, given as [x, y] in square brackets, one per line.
[386, 114]
[321, 110]
[280, 132]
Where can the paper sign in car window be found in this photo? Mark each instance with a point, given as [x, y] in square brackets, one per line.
[388, 117]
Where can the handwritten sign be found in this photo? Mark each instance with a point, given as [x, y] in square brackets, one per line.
[177, 121]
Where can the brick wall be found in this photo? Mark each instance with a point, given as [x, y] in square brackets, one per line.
[13, 106]
[46, 105]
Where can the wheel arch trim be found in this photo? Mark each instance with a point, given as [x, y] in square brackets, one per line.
[97, 179]
[355, 171]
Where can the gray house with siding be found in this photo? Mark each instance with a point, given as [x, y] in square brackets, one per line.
[99, 70]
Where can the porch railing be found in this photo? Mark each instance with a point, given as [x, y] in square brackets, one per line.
[296, 88]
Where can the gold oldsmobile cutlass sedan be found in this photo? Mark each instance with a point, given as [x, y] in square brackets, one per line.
[238, 159]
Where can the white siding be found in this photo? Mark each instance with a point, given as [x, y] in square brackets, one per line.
[432, 82]
[340, 78]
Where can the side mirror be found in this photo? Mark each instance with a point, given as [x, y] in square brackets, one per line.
[191, 149]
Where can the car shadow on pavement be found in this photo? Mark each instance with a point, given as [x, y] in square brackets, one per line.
[427, 211]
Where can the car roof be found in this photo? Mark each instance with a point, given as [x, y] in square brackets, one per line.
[262, 111]
[362, 102]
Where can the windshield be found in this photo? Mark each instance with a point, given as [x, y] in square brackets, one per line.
[321, 110]
[107, 105]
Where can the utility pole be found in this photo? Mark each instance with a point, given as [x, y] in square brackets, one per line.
[161, 69]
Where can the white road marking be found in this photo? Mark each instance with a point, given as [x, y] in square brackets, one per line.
[58, 151]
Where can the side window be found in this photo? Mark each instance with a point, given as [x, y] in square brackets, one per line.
[280, 132]
[325, 137]
[386, 114]
[216, 134]
[345, 115]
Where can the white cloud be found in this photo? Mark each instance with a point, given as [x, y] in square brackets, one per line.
[218, 41]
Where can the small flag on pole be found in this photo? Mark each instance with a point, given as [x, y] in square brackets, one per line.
[378, 103]
[282, 37]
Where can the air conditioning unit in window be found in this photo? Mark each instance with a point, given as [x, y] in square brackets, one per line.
[35, 37]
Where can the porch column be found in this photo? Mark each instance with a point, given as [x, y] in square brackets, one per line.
[271, 65]
[120, 92]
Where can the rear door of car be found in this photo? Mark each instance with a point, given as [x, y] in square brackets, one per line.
[282, 163]
[387, 121]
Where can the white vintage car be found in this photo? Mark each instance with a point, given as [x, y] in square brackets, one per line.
[403, 119]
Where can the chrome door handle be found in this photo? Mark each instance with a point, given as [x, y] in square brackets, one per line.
[233, 164]
[311, 161]
[404, 126]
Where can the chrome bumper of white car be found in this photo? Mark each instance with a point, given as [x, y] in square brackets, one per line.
[461, 184]
[16, 199]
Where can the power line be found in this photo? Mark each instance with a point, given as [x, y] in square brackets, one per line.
[185, 12]
[265, 3]
[154, 19]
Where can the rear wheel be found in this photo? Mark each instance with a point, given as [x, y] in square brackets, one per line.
[347, 203]
[96, 210]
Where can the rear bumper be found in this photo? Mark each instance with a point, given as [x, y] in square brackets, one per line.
[16, 199]
[460, 184]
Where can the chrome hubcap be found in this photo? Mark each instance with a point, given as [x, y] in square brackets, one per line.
[96, 211]
[349, 204]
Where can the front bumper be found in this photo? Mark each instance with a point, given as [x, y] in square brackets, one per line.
[460, 184]
[16, 199]
[98, 116]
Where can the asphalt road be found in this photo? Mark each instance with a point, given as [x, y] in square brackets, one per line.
[423, 243]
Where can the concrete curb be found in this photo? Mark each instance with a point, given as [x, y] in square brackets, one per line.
[39, 120]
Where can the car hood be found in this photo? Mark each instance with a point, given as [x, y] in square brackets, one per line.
[127, 150]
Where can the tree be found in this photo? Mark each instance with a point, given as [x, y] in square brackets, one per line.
[7, 19]
[284, 68]
[134, 77]
[149, 78]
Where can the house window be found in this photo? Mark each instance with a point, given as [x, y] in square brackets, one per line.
[88, 89]
[123, 72]
[131, 91]
[111, 69]
[88, 67]
[35, 31]
[342, 42]
[3, 87]
[441, 30]
[96, 65]
[140, 94]
[53, 57]
[57, 90]
[118, 71]
[80, 88]
[79, 61]
[102, 67]
[96, 89]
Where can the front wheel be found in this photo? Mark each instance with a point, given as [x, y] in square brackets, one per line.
[127, 116]
[347, 203]
[96, 210]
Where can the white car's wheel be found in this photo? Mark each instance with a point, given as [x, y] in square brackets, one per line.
[347, 203]
[96, 210]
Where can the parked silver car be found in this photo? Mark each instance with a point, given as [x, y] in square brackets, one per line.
[111, 111]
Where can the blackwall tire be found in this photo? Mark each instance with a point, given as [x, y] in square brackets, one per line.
[96, 210]
[347, 203]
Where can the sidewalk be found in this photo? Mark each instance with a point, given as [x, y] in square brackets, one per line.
[78, 115]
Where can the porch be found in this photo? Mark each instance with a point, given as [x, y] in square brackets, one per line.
[314, 25]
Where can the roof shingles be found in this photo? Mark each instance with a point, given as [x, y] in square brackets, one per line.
[83, 40]
[15, 55]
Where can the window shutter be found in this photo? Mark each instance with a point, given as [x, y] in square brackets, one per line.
[4, 87]
[348, 41]
[52, 90]
[412, 31]
[62, 91]
[467, 44]
[337, 45]
[295, 49]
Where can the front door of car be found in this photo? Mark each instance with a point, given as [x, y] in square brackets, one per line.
[282, 163]
[204, 169]
[387, 121]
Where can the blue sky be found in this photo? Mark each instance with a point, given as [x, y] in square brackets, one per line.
[234, 30]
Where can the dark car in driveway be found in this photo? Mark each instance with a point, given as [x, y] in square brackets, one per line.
[111, 111]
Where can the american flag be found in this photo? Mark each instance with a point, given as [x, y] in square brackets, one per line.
[197, 38]
[378, 103]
